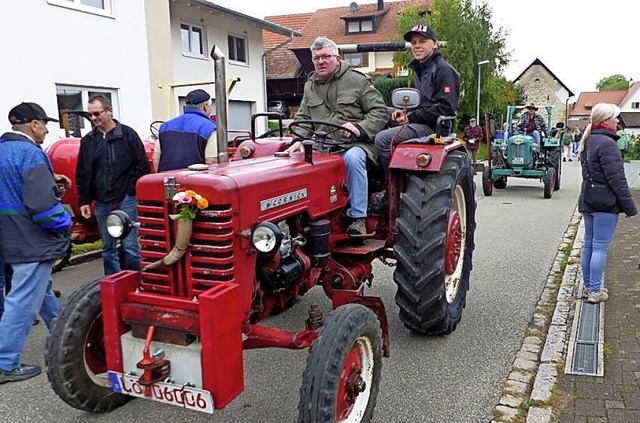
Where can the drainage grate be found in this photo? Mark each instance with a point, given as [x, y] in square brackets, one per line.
[585, 346]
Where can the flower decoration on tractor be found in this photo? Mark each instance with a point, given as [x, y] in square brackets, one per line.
[187, 204]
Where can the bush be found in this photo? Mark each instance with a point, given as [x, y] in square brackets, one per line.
[387, 85]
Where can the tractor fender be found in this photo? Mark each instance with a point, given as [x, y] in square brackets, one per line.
[404, 155]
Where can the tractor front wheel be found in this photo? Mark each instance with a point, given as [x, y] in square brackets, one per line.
[342, 378]
[75, 354]
[549, 182]
[436, 226]
[500, 183]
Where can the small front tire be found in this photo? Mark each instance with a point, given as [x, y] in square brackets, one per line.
[342, 378]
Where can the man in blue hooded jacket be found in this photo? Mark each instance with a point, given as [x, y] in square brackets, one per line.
[35, 232]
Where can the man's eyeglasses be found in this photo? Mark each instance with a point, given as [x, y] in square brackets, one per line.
[95, 114]
[324, 57]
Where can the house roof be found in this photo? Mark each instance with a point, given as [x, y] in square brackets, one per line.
[539, 62]
[630, 92]
[281, 62]
[263, 24]
[630, 119]
[587, 100]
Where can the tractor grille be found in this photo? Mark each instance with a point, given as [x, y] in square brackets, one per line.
[208, 260]
[517, 154]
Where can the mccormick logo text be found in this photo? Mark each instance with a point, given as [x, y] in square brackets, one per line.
[283, 199]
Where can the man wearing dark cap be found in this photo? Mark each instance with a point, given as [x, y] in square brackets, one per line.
[439, 86]
[532, 123]
[110, 162]
[472, 137]
[35, 232]
[188, 139]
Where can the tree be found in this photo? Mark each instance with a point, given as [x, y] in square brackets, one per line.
[471, 38]
[613, 83]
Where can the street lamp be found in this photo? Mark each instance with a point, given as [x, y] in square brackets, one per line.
[484, 62]
[566, 111]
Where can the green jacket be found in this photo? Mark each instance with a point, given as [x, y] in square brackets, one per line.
[623, 141]
[348, 96]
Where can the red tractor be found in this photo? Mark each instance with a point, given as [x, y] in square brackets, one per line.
[273, 228]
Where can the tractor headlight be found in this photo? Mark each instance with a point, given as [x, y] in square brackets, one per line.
[118, 224]
[266, 237]
[246, 151]
[423, 160]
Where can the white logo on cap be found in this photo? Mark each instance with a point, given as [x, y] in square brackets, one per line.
[420, 28]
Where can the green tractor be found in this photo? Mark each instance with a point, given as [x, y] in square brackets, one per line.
[514, 154]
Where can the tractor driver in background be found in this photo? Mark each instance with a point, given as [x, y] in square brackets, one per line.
[337, 93]
[532, 123]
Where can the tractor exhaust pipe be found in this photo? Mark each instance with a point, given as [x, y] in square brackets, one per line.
[220, 75]
[372, 47]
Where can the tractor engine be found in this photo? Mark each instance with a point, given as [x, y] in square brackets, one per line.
[522, 152]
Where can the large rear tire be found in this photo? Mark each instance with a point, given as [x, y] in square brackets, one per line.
[75, 354]
[554, 160]
[342, 378]
[62, 262]
[436, 226]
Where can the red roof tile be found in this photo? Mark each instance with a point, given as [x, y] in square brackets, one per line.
[587, 100]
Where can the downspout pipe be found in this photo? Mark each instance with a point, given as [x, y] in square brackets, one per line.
[222, 109]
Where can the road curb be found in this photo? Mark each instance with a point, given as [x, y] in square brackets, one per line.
[85, 257]
[528, 390]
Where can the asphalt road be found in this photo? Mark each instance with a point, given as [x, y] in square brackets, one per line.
[444, 379]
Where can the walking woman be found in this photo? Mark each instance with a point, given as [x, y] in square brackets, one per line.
[602, 167]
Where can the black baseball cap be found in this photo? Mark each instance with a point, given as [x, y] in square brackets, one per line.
[422, 29]
[26, 112]
[197, 97]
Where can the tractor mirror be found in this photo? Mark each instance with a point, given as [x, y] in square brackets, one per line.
[408, 98]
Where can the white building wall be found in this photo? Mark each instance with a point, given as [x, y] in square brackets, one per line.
[45, 44]
[250, 88]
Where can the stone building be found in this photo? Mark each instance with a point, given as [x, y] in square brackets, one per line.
[543, 88]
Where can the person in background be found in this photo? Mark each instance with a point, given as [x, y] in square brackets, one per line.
[439, 86]
[577, 137]
[566, 138]
[601, 164]
[35, 232]
[472, 137]
[337, 93]
[111, 160]
[532, 123]
[189, 138]
[623, 141]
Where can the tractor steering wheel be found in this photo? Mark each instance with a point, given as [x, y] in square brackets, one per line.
[321, 136]
[154, 128]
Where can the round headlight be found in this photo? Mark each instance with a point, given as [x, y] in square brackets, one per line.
[246, 151]
[423, 160]
[118, 224]
[266, 237]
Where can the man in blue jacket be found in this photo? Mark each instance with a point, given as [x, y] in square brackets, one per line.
[35, 232]
[187, 139]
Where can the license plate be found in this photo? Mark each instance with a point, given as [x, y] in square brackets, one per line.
[168, 393]
[517, 160]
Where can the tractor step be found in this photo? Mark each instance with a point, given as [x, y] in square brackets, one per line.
[369, 246]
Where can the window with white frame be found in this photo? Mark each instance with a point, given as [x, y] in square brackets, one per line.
[356, 60]
[635, 104]
[74, 99]
[237, 48]
[356, 26]
[192, 37]
[93, 6]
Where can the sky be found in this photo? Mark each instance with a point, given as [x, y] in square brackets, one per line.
[580, 41]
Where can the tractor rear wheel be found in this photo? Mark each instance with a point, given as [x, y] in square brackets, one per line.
[342, 378]
[487, 183]
[500, 183]
[75, 354]
[549, 182]
[436, 225]
[62, 262]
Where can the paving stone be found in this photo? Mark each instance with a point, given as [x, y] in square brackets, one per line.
[590, 407]
[524, 364]
[511, 401]
[554, 346]
[506, 413]
[515, 387]
[545, 380]
[523, 377]
[539, 415]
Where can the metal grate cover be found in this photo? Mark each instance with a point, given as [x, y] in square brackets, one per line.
[585, 346]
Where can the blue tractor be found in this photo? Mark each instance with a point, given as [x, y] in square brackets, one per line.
[514, 153]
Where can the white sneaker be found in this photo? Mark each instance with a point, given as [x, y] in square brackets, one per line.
[597, 297]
